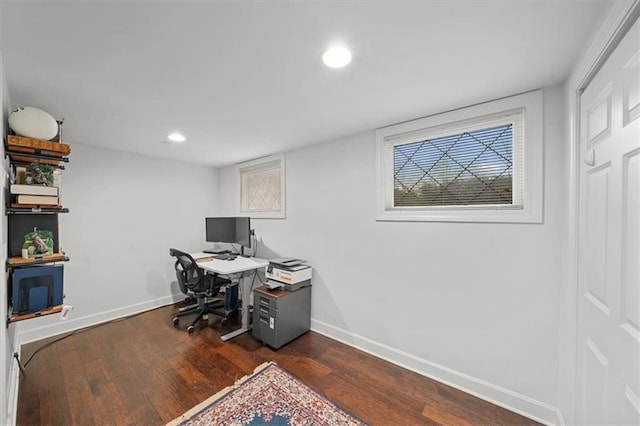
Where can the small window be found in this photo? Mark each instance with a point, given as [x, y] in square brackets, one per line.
[465, 165]
[470, 168]
[262, 187]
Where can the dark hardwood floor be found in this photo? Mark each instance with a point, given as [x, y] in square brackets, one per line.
[143, 371]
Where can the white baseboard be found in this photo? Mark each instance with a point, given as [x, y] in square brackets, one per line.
[513, 401]
[13, 382]
[34, 334]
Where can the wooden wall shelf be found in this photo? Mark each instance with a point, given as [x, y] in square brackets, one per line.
[19, 261]
[28, 150]
[39, 207]
[21, 160]
[32, 210]
[54, 310]
[34, 146]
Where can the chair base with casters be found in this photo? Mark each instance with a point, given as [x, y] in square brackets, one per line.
[188, 303]
[195, 282]
[224, 308]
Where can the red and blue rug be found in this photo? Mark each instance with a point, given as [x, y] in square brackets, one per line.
[270, 396]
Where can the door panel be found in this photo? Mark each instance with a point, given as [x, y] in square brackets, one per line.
[596, 217]
[631, 260]
[608, 381]
[599, 117]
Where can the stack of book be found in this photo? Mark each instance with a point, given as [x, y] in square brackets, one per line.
[38, 195]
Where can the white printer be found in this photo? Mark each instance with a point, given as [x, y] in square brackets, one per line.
[288, 273]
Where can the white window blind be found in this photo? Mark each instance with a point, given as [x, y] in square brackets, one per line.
[261, 189]
[465, 165]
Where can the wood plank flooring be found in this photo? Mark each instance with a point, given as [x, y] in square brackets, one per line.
[143, 371]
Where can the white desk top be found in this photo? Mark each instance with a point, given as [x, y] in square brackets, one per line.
[224, 267]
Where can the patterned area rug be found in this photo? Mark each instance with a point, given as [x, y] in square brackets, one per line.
[270, 396]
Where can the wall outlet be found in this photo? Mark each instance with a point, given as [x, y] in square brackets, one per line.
[66, 312]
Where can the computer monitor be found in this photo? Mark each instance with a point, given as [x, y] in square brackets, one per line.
[235, 230]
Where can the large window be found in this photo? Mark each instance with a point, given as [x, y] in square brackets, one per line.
[262, 187]
[482, 163]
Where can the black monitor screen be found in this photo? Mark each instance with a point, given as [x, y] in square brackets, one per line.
[243, 231]
[236, 230]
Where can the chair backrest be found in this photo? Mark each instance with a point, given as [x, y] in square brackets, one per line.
[190, 276]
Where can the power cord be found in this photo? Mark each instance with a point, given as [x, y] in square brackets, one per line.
[255, 244]
[17, 358]
[46, 345]
[253, 280]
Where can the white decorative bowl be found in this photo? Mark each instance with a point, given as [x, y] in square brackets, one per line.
[33, 123]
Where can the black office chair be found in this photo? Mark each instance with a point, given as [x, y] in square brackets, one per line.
[193, 280]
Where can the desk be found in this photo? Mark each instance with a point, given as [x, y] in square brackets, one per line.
[239, 265]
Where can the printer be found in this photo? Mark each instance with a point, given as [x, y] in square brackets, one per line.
[288, 273]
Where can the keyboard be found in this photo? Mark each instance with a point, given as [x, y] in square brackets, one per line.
[215, 251]
[225, 256]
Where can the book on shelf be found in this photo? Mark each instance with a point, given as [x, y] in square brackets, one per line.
[43, 200]
[20, 173]
[19, 189]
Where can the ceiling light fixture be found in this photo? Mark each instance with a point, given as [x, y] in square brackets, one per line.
[176, 138]
[336, 57]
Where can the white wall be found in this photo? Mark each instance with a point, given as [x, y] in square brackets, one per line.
[478, 300]
[126, 210]
[7, 349]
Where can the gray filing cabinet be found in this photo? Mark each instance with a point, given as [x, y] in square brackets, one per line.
[279, 316]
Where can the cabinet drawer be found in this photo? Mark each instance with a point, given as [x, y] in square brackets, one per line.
[265, 301]
[264, 328]
[265, 310]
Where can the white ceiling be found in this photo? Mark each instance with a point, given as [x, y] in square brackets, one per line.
[245, 79]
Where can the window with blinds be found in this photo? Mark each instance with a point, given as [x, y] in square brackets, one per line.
[261, 189]
[479, 163]
[474, 167]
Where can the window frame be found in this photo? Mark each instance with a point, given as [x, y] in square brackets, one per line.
[531, 105]
[256, 164]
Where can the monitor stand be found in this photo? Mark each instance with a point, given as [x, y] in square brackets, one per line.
[242, 252]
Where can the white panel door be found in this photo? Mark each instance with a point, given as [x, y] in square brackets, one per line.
[608, 376]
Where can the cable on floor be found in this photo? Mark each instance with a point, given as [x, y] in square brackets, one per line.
[80, 330]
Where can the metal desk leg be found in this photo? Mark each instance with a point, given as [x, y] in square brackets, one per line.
[245, 294]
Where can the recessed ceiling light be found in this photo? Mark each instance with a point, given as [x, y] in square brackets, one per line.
[176, 137]
[336, 57]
